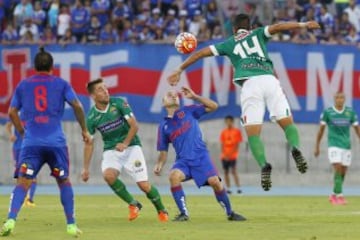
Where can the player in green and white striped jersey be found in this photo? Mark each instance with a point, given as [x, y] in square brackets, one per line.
[339, 119]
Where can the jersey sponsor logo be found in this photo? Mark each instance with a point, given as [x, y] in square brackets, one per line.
[181, 114]
[184, 128]
[113, 110]
[137, 163]
[109, 126]
[340, 122]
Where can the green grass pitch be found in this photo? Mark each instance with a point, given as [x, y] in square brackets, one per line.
[280, 218]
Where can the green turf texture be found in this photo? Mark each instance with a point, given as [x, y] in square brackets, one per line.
[280, 218]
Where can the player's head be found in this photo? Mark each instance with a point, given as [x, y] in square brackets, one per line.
[241, 21]
[339, 99]
[229, 121]
[98, 91]
[171, 99]
[43, 61]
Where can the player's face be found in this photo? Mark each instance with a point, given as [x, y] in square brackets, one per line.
[339, 100]
[101, 94]
[171, 99]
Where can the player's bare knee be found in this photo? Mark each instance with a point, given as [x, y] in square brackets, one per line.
[110, 176]
[176, 177]
[215, 182]
[145, 186]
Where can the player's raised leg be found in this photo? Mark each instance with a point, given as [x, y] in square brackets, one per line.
[176, 177]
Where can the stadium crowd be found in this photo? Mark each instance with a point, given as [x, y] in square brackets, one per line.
[114, 21]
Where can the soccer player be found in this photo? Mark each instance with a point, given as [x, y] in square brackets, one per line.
[230, 139]
[115, 121]
[41, 99]
[181, 128]
[254, 73]
[16, 140]
[339, 118]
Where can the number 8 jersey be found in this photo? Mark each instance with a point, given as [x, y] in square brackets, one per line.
[41, 99]
[247, 53]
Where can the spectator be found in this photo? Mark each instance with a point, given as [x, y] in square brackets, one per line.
[184, 21]
[211, 15]
[48, 37]
[159, 36]
[353, 12]
[192, 6]
[64, 21]
[28, 25]
[68, 38]
[303, 36]
[352, 38]
[120, 12]
[197, 25]
[10, 35]
[344, 25]
[145, 35]
[171, 24]
[100, 9]
[53, 14]
[340, 6]
[217, 33]
[93, 32]
[326, 21]
[80, 20]
[27, 38]
[128, 34]
[108, 35]
[332, 39]
[39, 16]
[155, 21]
[23, 10]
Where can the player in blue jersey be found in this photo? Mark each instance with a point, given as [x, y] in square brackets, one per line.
[41, 99]
[16, 140]
[181, 128]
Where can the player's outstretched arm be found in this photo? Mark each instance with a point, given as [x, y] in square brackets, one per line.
[285, 26]
[318, 140]
[80, 117]
[15, 119]
[160, 162]
[209, 104]
[88, 152]
[174, 78]
[357, 130]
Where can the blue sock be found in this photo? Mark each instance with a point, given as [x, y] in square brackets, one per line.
[179, 197]
[16, 200]
[67, 200]
[32, 191]
[224, 201]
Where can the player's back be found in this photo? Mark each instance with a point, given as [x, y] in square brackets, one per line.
[42, 99]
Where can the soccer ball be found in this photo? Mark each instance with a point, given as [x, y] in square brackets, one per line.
[185, 43]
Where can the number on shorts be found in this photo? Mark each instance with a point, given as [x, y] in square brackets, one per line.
[40, 93]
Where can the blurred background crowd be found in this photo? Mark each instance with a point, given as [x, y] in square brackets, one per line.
[159, 21]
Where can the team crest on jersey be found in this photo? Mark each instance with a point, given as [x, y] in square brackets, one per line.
[113, 110]
[180, 115]
[137, 163]
[347, 113]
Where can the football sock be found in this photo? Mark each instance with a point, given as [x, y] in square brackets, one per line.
[338, 180]
[16, 200]
[67, 200]
[292, 135]
[224, 201]
[155, 198]
[257, 149]
[32, 191]
[179, 197]
[119, 189]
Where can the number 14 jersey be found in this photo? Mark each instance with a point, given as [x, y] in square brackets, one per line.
[247, 52]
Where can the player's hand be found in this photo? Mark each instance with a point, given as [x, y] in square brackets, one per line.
[121, 147]
[174, 78]
[157, 169]
[12, 138]
[312, 25]
[317, 152]
[86, 136]
[85, 175]
[188, 92]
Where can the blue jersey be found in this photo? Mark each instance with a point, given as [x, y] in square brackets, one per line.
[183, 131]
[41, 99]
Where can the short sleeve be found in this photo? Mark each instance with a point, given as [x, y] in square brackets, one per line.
[324, 118]
[90, 126]
[162, 139]
[219, 49]
[354, 119]
[70, 94]
[124, 107]
[197, 110]
[16, 99]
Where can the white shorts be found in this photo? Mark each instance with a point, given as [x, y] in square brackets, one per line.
[131, 160]
[259, 92]
[339, 155]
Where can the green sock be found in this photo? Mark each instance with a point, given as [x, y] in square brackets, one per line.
[338, 180]
[119, 189]
[292, 135]
[155, 198]
[257, 149]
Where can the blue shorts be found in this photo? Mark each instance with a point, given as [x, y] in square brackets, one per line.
[201, 172]
[16, 157]
[34, 157]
